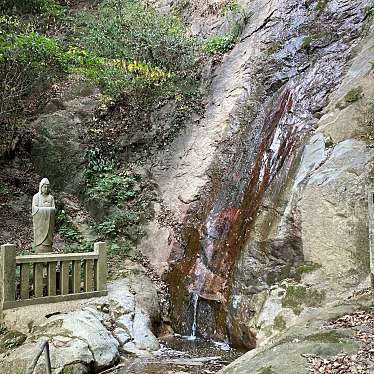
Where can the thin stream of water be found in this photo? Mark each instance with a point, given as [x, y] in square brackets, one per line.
[195, 300]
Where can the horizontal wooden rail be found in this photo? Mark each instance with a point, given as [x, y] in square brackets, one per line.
[56, 257]
[52, 299]
[51, 277]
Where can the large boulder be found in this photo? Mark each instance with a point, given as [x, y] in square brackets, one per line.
[59, 145]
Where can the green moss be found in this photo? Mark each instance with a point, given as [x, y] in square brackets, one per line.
[307, 41]
[294, 297]
[353, 95]
[307, 267]
[266, 370]
[321, 6]
[368, 18]
[279, 323]
[327, 337]
[10, 340]
[298, 296]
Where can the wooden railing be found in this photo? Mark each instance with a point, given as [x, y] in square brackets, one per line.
[47, 278]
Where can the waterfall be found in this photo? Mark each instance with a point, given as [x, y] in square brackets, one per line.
[195, 300]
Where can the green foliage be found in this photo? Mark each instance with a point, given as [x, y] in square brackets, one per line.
[49, 7]
[120, 249]
[307, 41]
[29, 64]
[128, 30]
[307, 267]
[220, 44]
[79, 246]
[69, 232]
[125, 223]
[96, 165]
[64, 226]
[3, 329]
[231, 6]
[4, 190]
[114, 188]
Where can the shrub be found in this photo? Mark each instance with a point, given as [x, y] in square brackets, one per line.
[29, 64]
[128, 30]
[114, 188]
[97, 164]
[219, 44]
[125, 223]
[30, 6]
[321, 6]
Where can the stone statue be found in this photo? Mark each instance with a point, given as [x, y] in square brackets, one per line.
[43, 217]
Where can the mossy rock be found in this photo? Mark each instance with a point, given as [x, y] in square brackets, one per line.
[353, 95]
[58, 152]
[266, 370]
[279, 323]
[307, 267]
[328, 337]
[10, 340]
[299, 296]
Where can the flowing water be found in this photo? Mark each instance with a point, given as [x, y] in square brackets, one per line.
[289, 85]
[181, 355]
[195, 301]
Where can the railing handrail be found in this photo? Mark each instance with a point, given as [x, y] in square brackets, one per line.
[57, 257]
[54, 277]
[43, 347]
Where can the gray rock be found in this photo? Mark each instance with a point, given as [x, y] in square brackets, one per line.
[126, 322]
[102, 344]
[121, 335]
[142, 332]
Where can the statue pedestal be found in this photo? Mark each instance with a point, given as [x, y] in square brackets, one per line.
[43, 249]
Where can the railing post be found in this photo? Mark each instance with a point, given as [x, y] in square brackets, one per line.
[102, 268]
[371, 232]
[7, 273]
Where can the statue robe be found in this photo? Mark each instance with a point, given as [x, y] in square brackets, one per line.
[43, 216]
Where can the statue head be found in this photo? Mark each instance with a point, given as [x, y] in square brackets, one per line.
[44, 186]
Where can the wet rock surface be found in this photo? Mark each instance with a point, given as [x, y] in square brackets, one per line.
[267, 95]
[335, 171]
[179, 354]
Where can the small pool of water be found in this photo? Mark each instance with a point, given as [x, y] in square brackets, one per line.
[180, 354]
